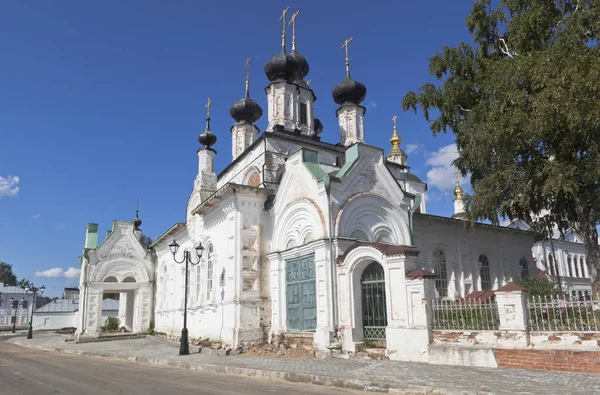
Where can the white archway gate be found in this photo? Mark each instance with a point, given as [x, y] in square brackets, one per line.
[119, 265]
[404, 325]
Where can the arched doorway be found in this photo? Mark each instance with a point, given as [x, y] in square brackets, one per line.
[374, 309]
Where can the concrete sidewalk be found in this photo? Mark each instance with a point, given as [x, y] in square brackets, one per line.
[371, 375]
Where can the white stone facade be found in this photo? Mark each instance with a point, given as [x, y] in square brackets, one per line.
[305, 236]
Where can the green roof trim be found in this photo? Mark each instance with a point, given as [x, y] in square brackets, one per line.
[310, 159]
[352, 155]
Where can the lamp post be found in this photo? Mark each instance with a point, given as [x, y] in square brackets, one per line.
[32, 290]
[184, 346]
[14, 303]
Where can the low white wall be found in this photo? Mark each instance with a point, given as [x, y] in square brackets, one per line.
[47, 321]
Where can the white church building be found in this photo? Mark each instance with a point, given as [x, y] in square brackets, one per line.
[302, 235]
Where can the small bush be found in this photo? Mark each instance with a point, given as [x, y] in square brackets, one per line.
[112, 324]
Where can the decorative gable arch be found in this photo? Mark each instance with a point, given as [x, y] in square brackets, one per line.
[372, 212]
[299, 221]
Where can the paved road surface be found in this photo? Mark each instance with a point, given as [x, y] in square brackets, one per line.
[32, 372]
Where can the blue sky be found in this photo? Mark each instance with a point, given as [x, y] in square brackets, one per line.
[102, 103]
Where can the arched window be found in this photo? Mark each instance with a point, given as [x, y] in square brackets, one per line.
[359, 235]
[484, 273]
[550, 268]
[254, 179]
[163, 289]
[110, 279]
[569, 266]
[441, 274]
[584, 271]
[524, 268]
[198, 290]
[290, 244]
[576, 266]
[209, 271]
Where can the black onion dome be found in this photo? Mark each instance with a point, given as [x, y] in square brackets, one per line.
[303, 67]
[245, 109]
[137, 222]
[207, 138]
[349, 91]
[318, 126]
[282, 67]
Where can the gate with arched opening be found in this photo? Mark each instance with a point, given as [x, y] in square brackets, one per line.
[374, 309]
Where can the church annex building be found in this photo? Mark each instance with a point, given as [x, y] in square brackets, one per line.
[301, 236]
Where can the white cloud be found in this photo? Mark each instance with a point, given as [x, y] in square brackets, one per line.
[57, 272]
[51, 273]
[441, 175]
[36, 216]
[72, 272]
[410, 148]
[371, 104]
[9, 186]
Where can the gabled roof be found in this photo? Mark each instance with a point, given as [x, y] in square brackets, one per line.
[173, 229]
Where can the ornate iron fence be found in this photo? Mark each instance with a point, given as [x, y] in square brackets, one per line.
[563, 313]
[472, 314]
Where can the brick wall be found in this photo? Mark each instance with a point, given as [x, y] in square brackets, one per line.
[564, 360]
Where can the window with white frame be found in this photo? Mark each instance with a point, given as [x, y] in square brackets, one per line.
[584, 272]
[524, 268]
[569, 266]
[209, 271]
[441, 273]
[484, 273]
[576, 266]
[198, 290]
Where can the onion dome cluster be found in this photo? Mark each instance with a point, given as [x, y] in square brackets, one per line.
[287, 67]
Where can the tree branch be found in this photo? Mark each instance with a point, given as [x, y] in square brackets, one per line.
[505, 48]
[562, 20]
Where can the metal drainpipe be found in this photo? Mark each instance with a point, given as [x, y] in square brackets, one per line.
[327, 183]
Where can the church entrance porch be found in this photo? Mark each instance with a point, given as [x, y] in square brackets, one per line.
[374, 310]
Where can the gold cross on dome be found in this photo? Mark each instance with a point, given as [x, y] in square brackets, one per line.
[282, 18]
[247, 67]
[348, 41]
[308, 82]
[293, 23]
[207, 106]
[394, 119]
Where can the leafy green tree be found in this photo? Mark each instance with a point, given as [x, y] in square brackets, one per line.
[23, 283]
[539, 286]
[524, 104]
[6, 274]
[145, 240]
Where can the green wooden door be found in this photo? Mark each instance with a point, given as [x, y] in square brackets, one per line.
[301, 300]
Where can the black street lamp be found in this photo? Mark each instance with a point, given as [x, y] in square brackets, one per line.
[14, 303]
[184, 346]
[32, 290]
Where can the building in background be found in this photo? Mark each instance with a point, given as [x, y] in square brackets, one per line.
[6, 310]
[562, 258]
